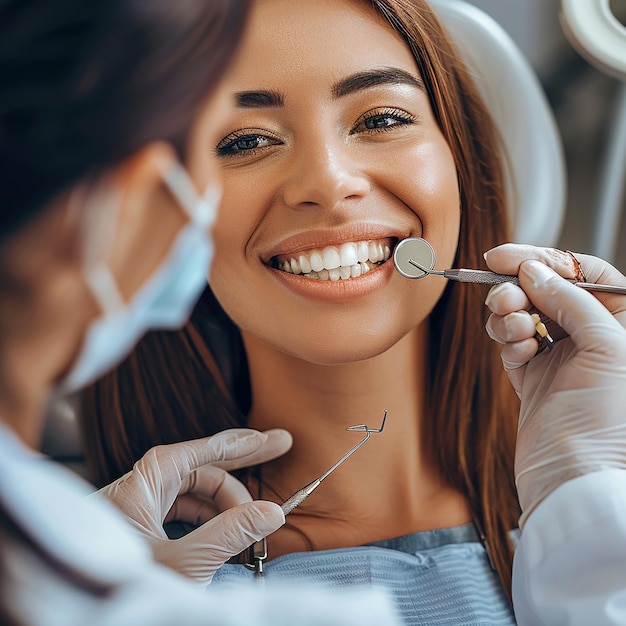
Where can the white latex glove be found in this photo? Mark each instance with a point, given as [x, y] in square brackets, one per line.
[572, 418]
[190, 482]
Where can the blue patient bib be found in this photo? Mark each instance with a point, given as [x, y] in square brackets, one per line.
[434, 577]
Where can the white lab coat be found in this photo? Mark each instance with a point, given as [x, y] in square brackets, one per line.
[570, 564]
[73, 561]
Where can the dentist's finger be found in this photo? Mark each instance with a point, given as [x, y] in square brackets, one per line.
[193, 509]
[278, 442]
[167, 465]
[234, 530]
[578, 312]
[516, 355]
[506, 298]
[163, 469]
[214, 483]
[507, 258]
[515, 358]
[208, 484]
[512, 327]
[199, 554]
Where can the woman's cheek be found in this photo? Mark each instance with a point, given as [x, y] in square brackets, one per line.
[434, 197]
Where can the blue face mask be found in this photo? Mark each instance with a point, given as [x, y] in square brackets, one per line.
[164, 301]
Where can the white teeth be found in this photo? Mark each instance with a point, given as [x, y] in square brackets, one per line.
[316, 261]
[334, 274]
[372, 251]
[331, 258]
[305, 264]
[348, 254]
[349, 260]
[376, 252]
[363, 252]
[337, 273]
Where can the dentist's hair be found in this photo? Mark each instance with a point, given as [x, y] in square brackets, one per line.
[189, 384]
[86, 83]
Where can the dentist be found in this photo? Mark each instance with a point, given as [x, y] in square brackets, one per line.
[104, 235]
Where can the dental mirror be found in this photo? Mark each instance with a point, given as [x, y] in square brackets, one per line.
[415, 249]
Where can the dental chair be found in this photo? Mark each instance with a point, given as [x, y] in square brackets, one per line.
[536, 180]
[599, 37]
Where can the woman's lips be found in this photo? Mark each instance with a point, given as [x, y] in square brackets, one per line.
[345, 261]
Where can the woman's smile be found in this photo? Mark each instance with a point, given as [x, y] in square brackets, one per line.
[349, 260]
[339, 272]
[335, 258]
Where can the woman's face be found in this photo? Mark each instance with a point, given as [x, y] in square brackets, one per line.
[330, 157]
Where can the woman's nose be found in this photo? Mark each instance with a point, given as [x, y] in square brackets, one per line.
[325, 176]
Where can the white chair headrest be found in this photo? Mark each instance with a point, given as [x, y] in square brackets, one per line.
[517, 102]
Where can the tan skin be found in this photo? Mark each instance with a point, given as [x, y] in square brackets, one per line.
[302, 170]
[45, 305]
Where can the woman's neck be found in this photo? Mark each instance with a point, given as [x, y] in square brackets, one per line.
[389, 487]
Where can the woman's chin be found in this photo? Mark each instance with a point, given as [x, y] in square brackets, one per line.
[335, 349]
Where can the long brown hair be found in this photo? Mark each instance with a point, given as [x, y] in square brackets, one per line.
[194, 382]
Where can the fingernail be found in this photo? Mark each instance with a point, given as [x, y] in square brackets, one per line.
[250, 443]
[254, 437]
[492, 335]
[537, 272]
[485, 254]
[494, 292]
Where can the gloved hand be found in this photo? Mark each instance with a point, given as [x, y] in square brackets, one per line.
[189, 481]
[572, 420]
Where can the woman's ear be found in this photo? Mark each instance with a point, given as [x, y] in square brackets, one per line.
[148, 218]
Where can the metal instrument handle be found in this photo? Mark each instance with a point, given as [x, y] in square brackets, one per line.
[491, 278]
[480, 276]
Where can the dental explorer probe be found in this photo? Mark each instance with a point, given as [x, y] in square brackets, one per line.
[257, 552]
[302, 494]
[417, 254]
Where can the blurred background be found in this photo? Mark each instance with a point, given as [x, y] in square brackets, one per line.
[584, 101]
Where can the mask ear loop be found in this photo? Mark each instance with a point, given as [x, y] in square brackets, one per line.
[98, 210]
[200, 210]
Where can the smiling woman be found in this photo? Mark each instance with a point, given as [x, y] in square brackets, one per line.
[354, 125]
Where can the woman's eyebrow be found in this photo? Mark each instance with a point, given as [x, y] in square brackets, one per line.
[259, 99]
[356, 82]
[373, 78]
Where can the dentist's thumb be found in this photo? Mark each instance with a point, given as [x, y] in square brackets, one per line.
[202, 552]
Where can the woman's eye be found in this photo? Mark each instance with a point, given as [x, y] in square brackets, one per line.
[382, 120]
[245, 142]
